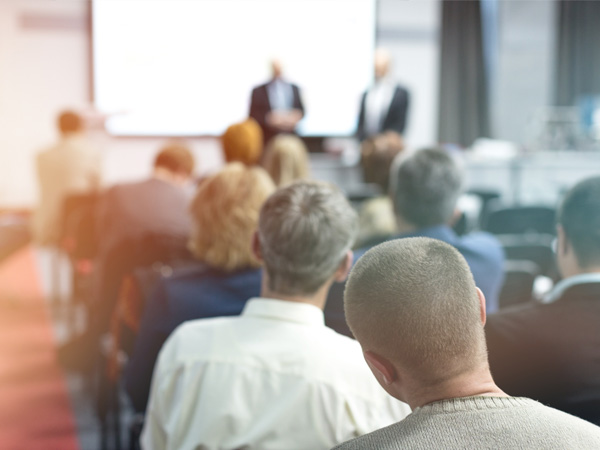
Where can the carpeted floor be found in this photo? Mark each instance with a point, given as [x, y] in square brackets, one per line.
[35, 411]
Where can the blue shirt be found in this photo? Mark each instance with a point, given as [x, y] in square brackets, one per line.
[483, 253]
[191, 293]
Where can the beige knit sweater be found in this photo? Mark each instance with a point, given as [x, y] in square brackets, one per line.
[483, 422]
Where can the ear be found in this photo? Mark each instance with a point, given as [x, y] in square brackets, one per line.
[342, 272]
[384, 370]
[256, 247]
[481, 305]
[562, 242]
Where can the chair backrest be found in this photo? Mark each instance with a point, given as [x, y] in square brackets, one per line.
[522, 220]
[78, 226]
[536, 248]
[518, 282]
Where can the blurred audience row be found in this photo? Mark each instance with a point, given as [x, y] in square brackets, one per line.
[228, 316]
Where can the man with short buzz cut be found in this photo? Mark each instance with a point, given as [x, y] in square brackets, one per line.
[274, 377]
[551, 351]
[414, 307]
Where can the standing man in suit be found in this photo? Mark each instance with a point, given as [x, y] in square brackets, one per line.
[384, 106]
[276, 105]
[551, 351]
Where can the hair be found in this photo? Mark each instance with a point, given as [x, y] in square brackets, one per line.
[69, 122]
[225, 213]
[579, 215]
[426, 187]
[175, 157]
[376, 156]
[286, 159]
[414, 301]
[305, 231]
[243, 142]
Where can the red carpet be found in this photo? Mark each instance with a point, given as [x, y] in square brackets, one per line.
[35, 412]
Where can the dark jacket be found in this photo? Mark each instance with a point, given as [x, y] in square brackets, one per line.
[395, 118]
[551, 352]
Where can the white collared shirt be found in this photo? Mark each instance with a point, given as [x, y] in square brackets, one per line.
[377, 105]
[563, 285]
[281, 95]
[273, 378]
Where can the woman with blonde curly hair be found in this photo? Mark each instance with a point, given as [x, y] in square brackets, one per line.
[225, 214]
[286, 159]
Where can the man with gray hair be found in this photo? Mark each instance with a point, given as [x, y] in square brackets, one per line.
[275, 377]
[414, 307]
[424, 187]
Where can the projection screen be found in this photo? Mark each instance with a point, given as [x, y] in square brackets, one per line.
[187, 67]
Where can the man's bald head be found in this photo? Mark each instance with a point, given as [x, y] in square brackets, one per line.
[383, 62]
[414, 302]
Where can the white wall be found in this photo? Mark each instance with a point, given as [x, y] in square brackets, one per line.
[44, 61]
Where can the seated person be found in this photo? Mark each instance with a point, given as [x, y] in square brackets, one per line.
[376, 217]
[156, 205]
[71, 166]
[416, 312]
[425, 187]
[243, 142]
[551, 352]
[224, 215]
[286, 159]
[275, 377]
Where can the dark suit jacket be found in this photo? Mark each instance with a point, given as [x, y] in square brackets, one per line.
[190, 293]
[551, 352]
[260, 107]
[395, 119]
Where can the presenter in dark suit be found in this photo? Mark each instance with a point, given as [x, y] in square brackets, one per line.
[384, 106]
[276, 105]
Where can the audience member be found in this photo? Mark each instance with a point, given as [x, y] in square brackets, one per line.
[384, 106]
[551, 352]
[425, 187]
[275, 377]
[224, 215]
[376, 218]
[243, 142]
[414, 307]
[276, 105]
[71, 166]
[286, 159]
[156, 205]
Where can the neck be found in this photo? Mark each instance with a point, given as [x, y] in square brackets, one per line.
[403, 226]
[478, 382]
[160, 173]
[317, 299]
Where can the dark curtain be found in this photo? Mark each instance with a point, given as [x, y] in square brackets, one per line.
[578, 51]
[463, 110]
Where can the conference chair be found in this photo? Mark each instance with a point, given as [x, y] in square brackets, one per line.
[521, 220]
[518, 283]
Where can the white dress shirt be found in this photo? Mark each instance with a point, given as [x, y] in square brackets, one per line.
[560, 288]
[281, 95]
[377, 104]
[273, 378]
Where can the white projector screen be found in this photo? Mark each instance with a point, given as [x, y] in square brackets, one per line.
[187, 67]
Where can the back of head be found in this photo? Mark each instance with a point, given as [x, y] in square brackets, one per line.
[286, 159]
[177, 158]
[69, 122]
[414, 302]
[376, 157]
[225, 215]
[425, 187]
[305, 231]
[243, 142]
[579, 215]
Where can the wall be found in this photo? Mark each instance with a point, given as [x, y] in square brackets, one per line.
[44, 56]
